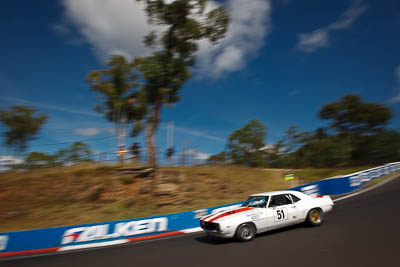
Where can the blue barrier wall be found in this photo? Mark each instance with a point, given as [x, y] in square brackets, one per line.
[57, 237]
[116, 232]
[348, 183]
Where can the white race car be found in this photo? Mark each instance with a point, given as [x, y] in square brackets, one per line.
[267, 211]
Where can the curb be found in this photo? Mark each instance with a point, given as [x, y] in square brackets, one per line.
[95, 245]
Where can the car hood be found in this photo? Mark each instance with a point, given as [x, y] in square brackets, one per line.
[227, 215]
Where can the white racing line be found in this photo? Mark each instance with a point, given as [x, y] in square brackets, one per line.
[388, 180]
[124, 241]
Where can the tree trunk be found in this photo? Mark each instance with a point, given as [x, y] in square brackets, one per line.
[150, 134]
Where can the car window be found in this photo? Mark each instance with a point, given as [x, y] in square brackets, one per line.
[294, 198]
[280, 200]
[256, 202]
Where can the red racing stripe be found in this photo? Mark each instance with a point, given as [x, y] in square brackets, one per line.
[134, 239]
[207, 217]
[229, 213]
[46, 250]
[27, 252]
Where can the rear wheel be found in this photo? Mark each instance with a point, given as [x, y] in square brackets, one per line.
[315, 217]
[246, 232]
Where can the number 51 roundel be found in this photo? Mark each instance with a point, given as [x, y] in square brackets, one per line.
[280, 214]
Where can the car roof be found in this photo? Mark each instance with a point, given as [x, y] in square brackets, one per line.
[276, 193]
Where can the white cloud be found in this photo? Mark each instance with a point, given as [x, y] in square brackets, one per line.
[230, 59]
[87, 131]
[92, 131]
[357, 8]
[203, 156]
[110, 26]
[61, 29]
[9, 160]
[396, 99]
[310, 42]
[118, 27]
[397, 73]
[319, 38]
[196, 154]
[250, 24]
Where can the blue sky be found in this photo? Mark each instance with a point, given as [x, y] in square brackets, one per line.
[279, 63]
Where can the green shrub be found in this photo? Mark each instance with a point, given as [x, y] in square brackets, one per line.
[127, 180]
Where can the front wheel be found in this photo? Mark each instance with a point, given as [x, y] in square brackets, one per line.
[246, 232]
[315, 217]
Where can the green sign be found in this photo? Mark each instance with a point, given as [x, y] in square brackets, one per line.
[290, 176]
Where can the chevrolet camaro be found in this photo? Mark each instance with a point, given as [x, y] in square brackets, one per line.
[267, 211]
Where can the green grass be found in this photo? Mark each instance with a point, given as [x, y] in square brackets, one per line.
[91, 193]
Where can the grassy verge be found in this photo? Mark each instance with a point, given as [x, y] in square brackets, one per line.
[94, 192]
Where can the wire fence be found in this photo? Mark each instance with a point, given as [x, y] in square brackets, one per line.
[185, 158]
[189, 157]
[110, 154]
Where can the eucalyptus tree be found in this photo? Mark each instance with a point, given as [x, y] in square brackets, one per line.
[116, 87]
[22, 126]
[351, 115]
[165, 71]
[353, 119]
[245, 145]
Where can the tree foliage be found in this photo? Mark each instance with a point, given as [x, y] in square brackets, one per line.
[352, 115]
[218, 159]
[23, 125]
[167, 69]
[245, 145]
[356, 135]
[77, 152]
[381, 147]
[116, 84]
[36, 160]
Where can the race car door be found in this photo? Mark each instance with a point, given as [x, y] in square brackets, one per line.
[259, 215]
[283, 210]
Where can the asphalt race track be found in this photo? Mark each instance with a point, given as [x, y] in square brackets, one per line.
[360, 231]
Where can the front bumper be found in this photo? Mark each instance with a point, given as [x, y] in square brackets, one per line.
[209, 226]
[220, 234]
[214, 229]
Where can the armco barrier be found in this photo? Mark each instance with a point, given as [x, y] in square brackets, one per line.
[348, 183]
[124, 231]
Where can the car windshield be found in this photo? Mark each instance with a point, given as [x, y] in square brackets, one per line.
[256, 202]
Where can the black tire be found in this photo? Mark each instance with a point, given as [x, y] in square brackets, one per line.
[246, 232]
[315, 217]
